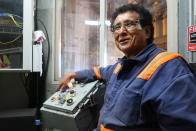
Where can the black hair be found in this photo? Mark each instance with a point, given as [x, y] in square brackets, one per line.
[145, 17]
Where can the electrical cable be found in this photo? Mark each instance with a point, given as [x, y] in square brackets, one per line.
[12, 41]
[18, 24]
[5, 14]
[35, 12]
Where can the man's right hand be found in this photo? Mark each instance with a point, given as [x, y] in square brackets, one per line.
[66, 80]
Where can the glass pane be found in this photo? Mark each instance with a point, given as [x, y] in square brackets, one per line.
[11, 27]
[79, 35]
[112, 52]
[158, 9]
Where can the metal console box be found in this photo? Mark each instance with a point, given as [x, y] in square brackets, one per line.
[68, 109]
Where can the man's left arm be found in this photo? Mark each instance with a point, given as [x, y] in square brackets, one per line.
[177, 104]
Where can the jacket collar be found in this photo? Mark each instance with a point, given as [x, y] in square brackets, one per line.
[140, 57]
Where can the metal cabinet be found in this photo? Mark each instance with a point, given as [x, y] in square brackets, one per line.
[16, 29]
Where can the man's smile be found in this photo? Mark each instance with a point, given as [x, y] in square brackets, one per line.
[124, 41]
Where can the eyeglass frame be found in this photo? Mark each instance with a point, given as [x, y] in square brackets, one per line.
[127, 25]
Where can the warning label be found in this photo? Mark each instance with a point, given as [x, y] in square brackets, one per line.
[192, 38]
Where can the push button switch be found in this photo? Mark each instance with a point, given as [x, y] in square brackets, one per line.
[72, 93]
[70, 102]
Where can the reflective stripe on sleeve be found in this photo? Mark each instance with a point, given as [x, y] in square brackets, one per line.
[117, 69]
[160, 59]
[104, 129]
[97, 72]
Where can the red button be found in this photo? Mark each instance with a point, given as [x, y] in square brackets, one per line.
[72, 91]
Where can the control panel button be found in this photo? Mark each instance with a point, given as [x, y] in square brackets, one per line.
[70, 102]
[62, 101]
[72, 93]
[53, 98]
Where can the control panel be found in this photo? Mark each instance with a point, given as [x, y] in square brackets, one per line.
[69, 100]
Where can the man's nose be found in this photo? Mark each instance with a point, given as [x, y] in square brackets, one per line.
[123, 30]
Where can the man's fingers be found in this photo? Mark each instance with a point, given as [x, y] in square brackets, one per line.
[65, 81]
[60, 86]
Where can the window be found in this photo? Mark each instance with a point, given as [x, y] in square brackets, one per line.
[79, 32]
[77, 35]
[112, 53]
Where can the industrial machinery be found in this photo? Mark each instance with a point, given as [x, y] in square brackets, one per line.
[72, 109]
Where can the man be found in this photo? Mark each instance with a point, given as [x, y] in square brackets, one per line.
[148, 89]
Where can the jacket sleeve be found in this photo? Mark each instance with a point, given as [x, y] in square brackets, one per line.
[177, 104]
[96, 73]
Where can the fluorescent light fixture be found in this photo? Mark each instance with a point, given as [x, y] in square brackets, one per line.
[95, 22]
[91, 22]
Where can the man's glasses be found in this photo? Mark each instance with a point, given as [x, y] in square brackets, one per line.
[130, 25]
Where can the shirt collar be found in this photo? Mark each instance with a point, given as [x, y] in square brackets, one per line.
[140, 57]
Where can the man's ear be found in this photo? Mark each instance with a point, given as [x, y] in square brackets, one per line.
[147, 31]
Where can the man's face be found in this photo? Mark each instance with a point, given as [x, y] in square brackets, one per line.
[129, 36]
